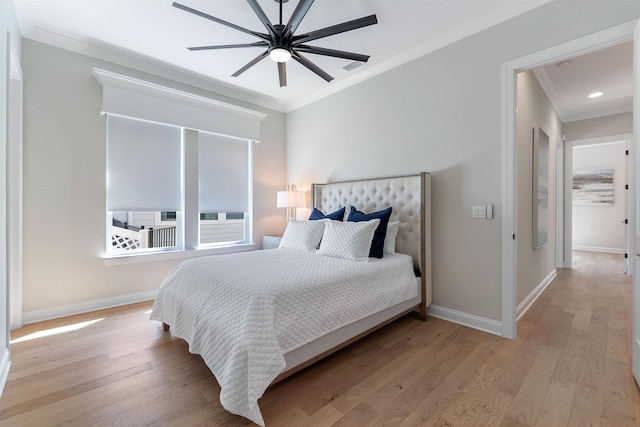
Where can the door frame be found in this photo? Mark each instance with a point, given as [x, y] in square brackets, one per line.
[580, 46]
[15, 189]
[568, 181]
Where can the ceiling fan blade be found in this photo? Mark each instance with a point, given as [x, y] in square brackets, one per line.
[262, 17]
[297, 16]
[253, 62]
[335, 29]
[220, 21]
[332, 52]
[282, 73]
[311, 66]
[229, 46]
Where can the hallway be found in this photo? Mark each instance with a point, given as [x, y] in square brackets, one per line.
[586, 314]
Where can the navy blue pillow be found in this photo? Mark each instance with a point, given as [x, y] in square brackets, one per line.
[336, 216]
[377, 244]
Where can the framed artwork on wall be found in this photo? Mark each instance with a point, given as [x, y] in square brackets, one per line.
[593, 188]
[540, 189]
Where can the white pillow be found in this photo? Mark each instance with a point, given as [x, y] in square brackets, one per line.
[302, 235]
[390, 238]
[350, 240]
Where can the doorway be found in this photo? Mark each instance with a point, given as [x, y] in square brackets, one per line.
[597, 213]
[556, 54]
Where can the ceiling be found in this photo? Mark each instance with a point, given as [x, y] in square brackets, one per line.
[156, 32]
[568, 83]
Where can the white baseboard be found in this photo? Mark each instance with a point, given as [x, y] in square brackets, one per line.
[5, 364]
[84, 307]
[533, 296]
[466, 319]
[597, 249]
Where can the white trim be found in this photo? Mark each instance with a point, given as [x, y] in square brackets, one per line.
[601, 140]
[130, 97]
[601, 112]
[568, 202]
[120, 259]
[509, 211]
[533, 296]
[589, 43]
[87, 306]
[567, 205]
[108, 78]
[15, 188]
[365, 73]
[466, 319]
[97, 49]
[598, 249]
[151, 66]
[5, 365]
[560, 208]
[634, 209]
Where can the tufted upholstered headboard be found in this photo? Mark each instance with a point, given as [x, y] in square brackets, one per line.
[410, 197]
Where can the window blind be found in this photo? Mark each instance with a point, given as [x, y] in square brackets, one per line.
[223, 173]
[144, 165]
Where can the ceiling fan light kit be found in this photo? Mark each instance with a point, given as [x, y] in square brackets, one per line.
[282, 44]
[279, 54]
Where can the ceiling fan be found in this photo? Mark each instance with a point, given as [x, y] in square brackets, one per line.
[282, 44]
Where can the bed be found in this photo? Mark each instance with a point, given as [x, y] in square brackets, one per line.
[256, 326]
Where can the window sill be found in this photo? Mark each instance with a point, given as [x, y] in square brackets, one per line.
[179, 254]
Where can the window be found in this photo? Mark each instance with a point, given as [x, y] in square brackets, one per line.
[168, 216]
[164, 153]
[221, 228]
[223, 188]
[146, 191]
[144, 176]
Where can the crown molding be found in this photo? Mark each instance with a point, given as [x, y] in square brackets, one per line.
[425, 48]
[139, 62]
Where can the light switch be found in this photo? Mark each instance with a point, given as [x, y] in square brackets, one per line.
[478, 212]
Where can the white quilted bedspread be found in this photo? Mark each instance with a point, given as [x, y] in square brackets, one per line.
[242, 312]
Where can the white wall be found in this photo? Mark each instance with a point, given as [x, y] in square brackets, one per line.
[9, 39]
[534, 110]
[64, 179]
[615, 124]
[601, 228]
[441, 113]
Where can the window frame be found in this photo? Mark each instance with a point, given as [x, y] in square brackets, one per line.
[138, 99]
[188, 231]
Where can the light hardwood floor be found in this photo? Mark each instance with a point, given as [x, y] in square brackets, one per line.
[569, 366]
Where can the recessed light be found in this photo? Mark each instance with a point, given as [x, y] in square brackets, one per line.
[595, 94]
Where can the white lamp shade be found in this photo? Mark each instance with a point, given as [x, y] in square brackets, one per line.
[291, 199]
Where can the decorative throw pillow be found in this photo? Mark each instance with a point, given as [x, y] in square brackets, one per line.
[350, 240]
[335, 216]
[302, 235]
[390, 238]
[377, 245]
